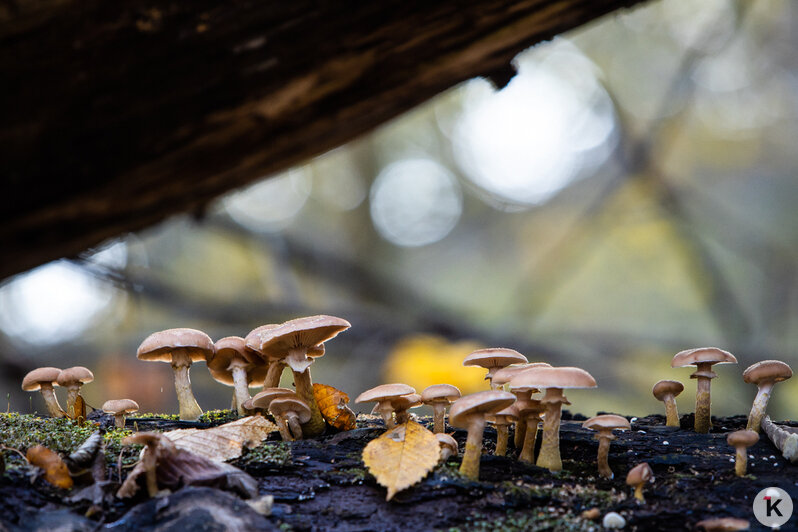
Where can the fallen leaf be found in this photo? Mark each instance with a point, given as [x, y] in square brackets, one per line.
[402, 456]
[55, 470]
[224, 442]
[78, 410]
[332, 404]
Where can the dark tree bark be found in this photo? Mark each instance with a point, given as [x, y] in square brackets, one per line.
[118, 114]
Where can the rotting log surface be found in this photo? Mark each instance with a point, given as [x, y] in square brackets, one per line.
[118, 114]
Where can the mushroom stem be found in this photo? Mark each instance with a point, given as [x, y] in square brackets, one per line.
[530, 437]
[549, 456]
[189, 409]
[304, 389]
[760, 406]
[241, 388]
[402, 416]
[51, 400]
[703, 401]
[234, 402]
[671, 412]
[293, 425]
[502, 435]
[386, 411]
[741, 461]
[639, 492]
[273, 374]
[72, 395]
[119, 420]
[285, 434]
[520, 433]
[473, 448]
[604, 439]
[438, 413]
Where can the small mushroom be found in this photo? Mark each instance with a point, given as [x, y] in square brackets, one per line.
[504, 376]
[502, 420]
[448, 445]
[149, 461]
[637, 477]
[439, 396]
[723, 524]
[290, 413]
[469, 413]
[764, 374]
[43, 380]
[235, 364]
[120, 407]
[493, 359]
[741, 440]
[263, 398]
[180, 348]
[703, 358]
[402, 404]
[604, 425]
[72, 379]
[384, 394]
[666, 391]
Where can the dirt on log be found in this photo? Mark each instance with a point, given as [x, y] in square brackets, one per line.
[118, 114]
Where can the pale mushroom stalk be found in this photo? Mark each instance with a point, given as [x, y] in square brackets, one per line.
[502, 435]
[51, 400]
[549, 456]
[784, 440]
[740, 461]
[473, 448]
[438, 413]
[671, 412]
[72, 395]
[703, 401]
[299, 362]
[189, 408]
[273, 374]
[604, 439]
[530, 438]
[384, 409]
[294, 426]
[241, 387]
[760, 406]
[285, 433]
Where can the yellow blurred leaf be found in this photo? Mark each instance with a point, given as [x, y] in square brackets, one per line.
[332, 404]
[55, 470]
[225, 441]
[78, 410]
[402, 456]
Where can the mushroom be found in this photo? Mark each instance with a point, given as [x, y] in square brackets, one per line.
[235, 364]
[637, 477]
[493, 359]
[605, 424]
[148, 462]
[723, 524]
[290, 413]
[764, 374]
[402, 404]
[528, 411]
[263, 398]
[503, 419]
[504, 376]
[554, 380]
[469, 413]
[72, 379]
[703, 358]
[296, 343]
[741, 440]
[179, 347]
[448, 445]
[439, 396]
[120, 407]
[666, 391]
[43, 380]
[275, 364]
[384, 395]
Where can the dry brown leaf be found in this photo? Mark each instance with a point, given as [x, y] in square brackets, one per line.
[55, 470]
[332, 404]
[225, 441]
[402, 456]
[78, 410]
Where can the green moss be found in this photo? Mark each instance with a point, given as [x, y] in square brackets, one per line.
[219, 417]
[518, 521]
[147, 415]
[21, 431]
[272, 454]
[114, 447]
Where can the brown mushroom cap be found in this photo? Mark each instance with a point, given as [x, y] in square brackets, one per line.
[607, 422]
[639, 474]
[158, 346]
[664, 388]
[723, 524]
[742, 438]
[548, 377]
[280, 406]
[494, 357]
[253, 342]
[699, 355]
[306, 333]
[143, 438]
[119, 406]
[480, 403]
[447, 441]
[74, 375]
[264, 398]
[405, 402]
[385, 391]
[505, 375]
[440, 393]
[34, 379]
[767, 371]
[234, 348]
[506, 415]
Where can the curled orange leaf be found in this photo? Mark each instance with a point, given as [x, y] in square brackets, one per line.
[332, 404]
[55, 470]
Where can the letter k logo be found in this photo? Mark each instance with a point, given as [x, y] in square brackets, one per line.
[773, 507]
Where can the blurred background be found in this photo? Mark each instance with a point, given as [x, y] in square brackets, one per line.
[630, 193]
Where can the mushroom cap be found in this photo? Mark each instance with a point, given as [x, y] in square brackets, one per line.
[440, 393]
[385, 391]
[478, 404]
[665, 388]
[406, 402]
[248, 405]
[143, 438]
[445, 440]
[723, 524]
[702, 355]
[767, 371]
[494, 357]
[504, 375]
[742, 438]
[119, 406]
[75, 375]
[34, 379]
[548, 377]
[307, 333]
[280, 406]
[639, 474]
[253, 342]
[158, 346]
[264, 398]
[505, 416]
[606, 422]
[234, 349]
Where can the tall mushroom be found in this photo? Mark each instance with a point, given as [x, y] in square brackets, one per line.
[666, 391]
[180, 348]
[703, 358]
[235, 364]
[604, 425]
[296, 342]
[529, 412]
[469, 413]
[72, 379]
[764, 374]
[43, 380]
[493, 359]
[439, 396]
[504, 376]
[118, 408]
[290, 413]
[741, 440]
[637, 477]
[554, 380]
[503, 419]
[385, 395]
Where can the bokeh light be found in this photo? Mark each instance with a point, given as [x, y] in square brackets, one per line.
[271, 204]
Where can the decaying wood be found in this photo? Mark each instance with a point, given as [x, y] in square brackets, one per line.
[118, 114]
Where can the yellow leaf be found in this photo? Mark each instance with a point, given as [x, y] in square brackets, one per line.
[78, 410]
[225, 441]
[402, 456]
[332, 404]
[55, 470]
